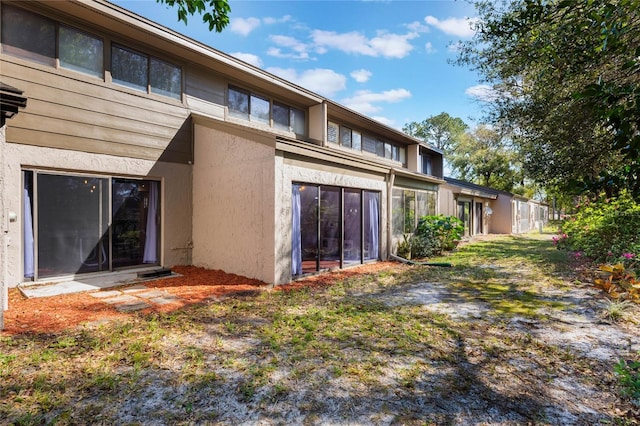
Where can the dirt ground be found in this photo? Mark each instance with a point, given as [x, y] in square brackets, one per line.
[555, 368]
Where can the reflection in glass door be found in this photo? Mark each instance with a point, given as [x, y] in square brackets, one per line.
[330, 227]
[464, 214]
[352, 245]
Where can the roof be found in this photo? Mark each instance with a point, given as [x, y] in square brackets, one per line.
[475, 189]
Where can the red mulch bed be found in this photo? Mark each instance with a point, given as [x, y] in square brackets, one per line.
[195, 285]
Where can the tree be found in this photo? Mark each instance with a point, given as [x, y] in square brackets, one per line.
[440, 130]
[484, 157]
[566, 75]
[214, 12]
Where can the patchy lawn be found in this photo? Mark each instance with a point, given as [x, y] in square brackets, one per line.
[507, 336]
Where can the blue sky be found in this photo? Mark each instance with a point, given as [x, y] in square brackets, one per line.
[385, 59]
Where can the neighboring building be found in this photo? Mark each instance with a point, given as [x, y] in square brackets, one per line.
[485, 210]
[143, 148]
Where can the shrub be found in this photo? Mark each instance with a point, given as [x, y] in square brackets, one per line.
[606, 230]
[437, 233]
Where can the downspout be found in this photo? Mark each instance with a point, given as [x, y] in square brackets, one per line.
[4, 229]
[391, 177]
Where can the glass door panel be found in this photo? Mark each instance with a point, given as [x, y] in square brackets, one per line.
[134, 225]
[72, 224]
[309, 227]
[371, 221]
[352, 226]
[330, 233]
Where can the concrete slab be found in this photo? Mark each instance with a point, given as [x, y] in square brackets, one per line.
[134, 289]
[165, 300]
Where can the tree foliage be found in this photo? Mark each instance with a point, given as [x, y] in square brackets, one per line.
[215, 13]
[566, 76]
[484, 156]
[441, 131]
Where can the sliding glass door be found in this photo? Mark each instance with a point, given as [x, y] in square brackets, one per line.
[333, 227]
[81, 224]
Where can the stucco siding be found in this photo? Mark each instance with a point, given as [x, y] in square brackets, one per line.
[233, 198]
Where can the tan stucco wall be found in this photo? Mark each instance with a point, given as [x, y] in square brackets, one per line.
[289, 171]
[233, 201]
[501, 218]
[175, 200]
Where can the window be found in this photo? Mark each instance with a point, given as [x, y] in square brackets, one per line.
[249, 106]
[356, 140]
[345, 136]
[332, 132]
[166, 78]
[369, 144]
[129, 68]
[28, 35]
[238, 103]
[408, 206]
[80, 51]
[259, 110]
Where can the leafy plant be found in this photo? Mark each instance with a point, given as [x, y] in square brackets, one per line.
[405, 246]
[628, 373]
[604, 230]
[447, 230]
[620, 283]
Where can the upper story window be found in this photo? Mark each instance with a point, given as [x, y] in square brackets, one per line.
[349, 138]
[249, 106]
[142, 72]
[31, 36]
[28, 35]
[80, 51]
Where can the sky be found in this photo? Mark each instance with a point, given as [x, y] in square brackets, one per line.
[388, 59]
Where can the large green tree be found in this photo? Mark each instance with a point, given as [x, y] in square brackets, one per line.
[215, 13]
[566, 76]
[484, 156]
[440, 130]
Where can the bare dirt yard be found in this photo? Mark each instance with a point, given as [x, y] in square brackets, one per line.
[514, 333]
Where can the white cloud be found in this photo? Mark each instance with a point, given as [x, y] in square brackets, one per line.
[386, 45]
[460, 27]
[320, 80]
[361, 75]
[300, 49]
[249, 58]
[482, 92]
[364, 101]
[418, 27]
[428, 47]
[244, 26]
[271, 21]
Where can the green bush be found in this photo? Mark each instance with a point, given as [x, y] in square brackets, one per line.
[606, 230]
[435, 234]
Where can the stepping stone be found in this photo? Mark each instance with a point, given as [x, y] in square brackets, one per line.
[105, 294]
[135, 288]
[152, 294]
[165, 300]
[132, 306]
[123, 298]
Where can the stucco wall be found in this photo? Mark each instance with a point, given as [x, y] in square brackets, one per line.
[175, 238]
[233, 207]
[501, 217]
[289, 171]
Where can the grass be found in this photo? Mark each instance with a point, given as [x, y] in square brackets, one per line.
[305, 346]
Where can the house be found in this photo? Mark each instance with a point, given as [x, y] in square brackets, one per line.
[485, 210]
[141, 148]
